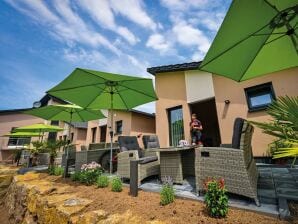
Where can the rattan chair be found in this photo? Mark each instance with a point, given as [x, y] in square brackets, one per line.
[235, 163]
[149, 164]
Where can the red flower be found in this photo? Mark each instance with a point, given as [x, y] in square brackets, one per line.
[221, 183]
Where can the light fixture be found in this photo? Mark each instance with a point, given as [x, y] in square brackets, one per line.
[37, 104]
[227, 102]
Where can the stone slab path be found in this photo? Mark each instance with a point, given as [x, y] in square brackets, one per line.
[275, 183]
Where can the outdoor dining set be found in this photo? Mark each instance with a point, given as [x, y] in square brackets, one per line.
[234, 163]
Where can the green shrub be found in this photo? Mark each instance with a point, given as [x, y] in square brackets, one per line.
[89, 173]
[55, 170]
[167, 194]
[216, 199]
[116, 184]
[102, 181]
[76, 176]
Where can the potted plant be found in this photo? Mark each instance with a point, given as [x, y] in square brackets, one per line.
[284, 127]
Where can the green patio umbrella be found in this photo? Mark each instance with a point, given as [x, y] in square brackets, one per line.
[38, 128]
[22, 134]
[102, 90]
[257, 37]
[67, 112]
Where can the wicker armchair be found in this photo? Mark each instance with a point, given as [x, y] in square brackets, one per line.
[149, 164]
[235, 163]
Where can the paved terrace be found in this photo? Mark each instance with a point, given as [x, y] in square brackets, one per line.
[276, 185]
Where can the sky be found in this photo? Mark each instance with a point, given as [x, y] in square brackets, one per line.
[42, 42]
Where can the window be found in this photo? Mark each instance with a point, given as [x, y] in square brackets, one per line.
[93, 130]
[176, 128]
[71, 136]
[53, 135]
[259, 97]
[18, 141]
[119, 127]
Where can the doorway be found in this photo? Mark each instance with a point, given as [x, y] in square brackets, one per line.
[206, 113]
[103, 133]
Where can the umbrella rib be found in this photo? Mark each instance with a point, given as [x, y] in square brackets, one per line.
[277, 38]
[96, 95]
[272, 6]
[92, 112]
[78, 112]
[254, 57]
[234, 45]
[74, 87]
[113, 74]
[139, 92]
[92, 74]
[122, 99]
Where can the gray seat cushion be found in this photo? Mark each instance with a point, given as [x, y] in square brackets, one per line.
[237, 131]
[127, 143]
[150, 141]
[148, 159]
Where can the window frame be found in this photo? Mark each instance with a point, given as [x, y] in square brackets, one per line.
[261, 88]
[169, 122]
[116, 127]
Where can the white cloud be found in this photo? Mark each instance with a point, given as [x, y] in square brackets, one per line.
[134, 11]
[101, 13]
[158, 42]
[124, 64]
[70, 28]
[190, 36]
[182, 5]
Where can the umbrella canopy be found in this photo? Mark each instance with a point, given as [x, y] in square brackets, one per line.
[38, 128]
[68, 112]
[22, 134]
[101, 90]
[257, 37]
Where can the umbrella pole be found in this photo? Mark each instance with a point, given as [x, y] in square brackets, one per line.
[111, 134]
[68, 143]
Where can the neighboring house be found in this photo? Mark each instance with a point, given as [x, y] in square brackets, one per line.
[182, 90]
[10, 119]
[131, 122]
[78, 133]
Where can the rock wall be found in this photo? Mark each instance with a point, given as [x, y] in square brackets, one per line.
[32, 199]
[6, 175]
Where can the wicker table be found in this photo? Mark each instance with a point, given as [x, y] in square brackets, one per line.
[177, 162]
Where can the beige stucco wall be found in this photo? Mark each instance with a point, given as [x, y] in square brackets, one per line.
[10, 120]
[171, 91]
[199, 86]
[142, 125]
[133, 124]
[284, 83]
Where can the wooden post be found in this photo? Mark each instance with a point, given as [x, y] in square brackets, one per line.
[133, 182]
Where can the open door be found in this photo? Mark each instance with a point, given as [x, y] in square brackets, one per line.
[206, 113]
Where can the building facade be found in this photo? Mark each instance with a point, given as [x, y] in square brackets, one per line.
[129, 123]
[217, 101]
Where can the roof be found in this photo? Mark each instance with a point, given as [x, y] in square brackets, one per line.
[12, 111]
[45, 99]
[80, 124]
[174, 68]
[142, 112]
